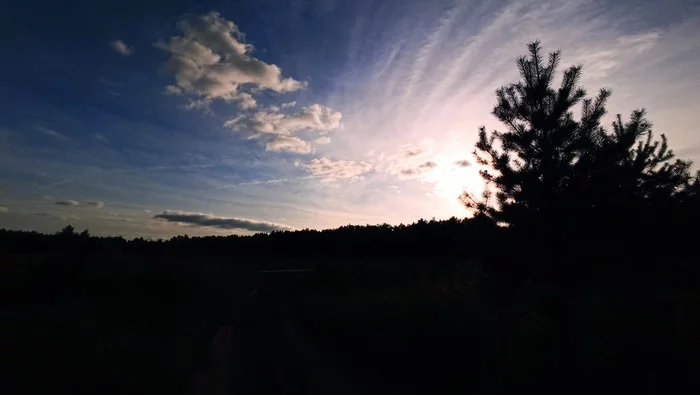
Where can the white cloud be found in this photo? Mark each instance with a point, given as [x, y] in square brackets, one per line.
[172, 90]
[198, 104]
[323, 140]
[313, 117]
[246, 101]
[335, 170]
[4, 209]
[208, 220]
[290, 104]
[121, 47]
[278, 143]
[212, 61]
[278, 130]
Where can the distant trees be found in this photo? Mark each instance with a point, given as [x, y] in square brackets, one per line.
[68, 230]
[423, 238]
[548, 165]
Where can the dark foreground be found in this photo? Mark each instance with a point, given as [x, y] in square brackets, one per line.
[78, 325]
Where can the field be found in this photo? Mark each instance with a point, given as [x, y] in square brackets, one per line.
[145, 324]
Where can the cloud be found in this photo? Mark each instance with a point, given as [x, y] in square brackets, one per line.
[405, 170]
[412, 153]
[101, 138]
[198, 104]
[172, 90]
[228, 223]
[337, 170]
[111, 84]
[96, 204]
[52, 133]
[66, 203]
[314, 117]
[292, 144]
[4, 209]
[246, 101]
[323, 140]
[290, 104]
[463, 163]
[277, 130]
[56, 217]
[212, 61]
[121, 47]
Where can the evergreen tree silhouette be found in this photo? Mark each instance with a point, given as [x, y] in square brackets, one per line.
[549, 167]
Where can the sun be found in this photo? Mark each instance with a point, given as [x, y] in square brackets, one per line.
[451, 183]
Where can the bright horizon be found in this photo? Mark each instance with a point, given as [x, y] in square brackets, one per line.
[232, 119]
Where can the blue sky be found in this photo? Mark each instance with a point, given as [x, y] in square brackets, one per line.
[218, 117]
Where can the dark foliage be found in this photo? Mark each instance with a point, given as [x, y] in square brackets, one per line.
[453, 237]
[569, 182]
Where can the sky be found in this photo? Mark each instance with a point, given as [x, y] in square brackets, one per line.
[151, 119]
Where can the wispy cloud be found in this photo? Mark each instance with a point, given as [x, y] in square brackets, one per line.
[4, 209]
[74, 203]
[111, 84]
[336, 170]
[323, 140]
[100, 138]
[228, 223]
[463, 163]
[55, 184]
[278, 130]
[261, 182]
[66, 203]
[52, 133]
[56, 217]
[121, 48]
[412, 153]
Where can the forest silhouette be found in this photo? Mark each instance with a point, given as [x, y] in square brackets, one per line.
[576, 271]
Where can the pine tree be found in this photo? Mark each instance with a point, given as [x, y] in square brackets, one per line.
[549, 167]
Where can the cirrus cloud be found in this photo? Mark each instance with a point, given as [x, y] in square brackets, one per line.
[227, 223]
